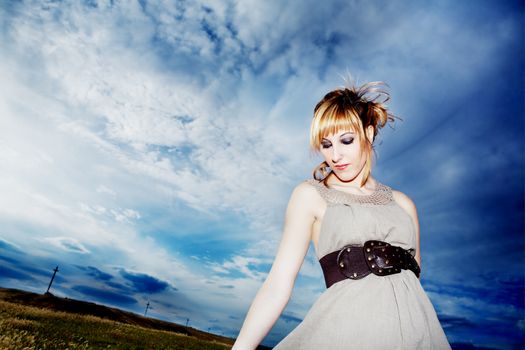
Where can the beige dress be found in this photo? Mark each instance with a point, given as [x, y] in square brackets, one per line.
[388, 312]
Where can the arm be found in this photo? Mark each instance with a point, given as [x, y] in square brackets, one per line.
[408, 205]
[275, 292]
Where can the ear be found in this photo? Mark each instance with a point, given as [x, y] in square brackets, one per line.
[370, 133]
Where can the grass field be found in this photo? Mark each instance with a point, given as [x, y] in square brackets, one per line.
[44, 321]
[29, 327]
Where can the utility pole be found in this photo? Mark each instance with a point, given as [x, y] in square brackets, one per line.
[52, 278]
[147, 307]
[187, 321]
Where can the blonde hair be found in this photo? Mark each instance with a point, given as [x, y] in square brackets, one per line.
[350, 108]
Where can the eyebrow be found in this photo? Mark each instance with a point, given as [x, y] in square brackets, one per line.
[349, 132]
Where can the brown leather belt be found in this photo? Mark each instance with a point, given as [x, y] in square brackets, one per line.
[356, 262]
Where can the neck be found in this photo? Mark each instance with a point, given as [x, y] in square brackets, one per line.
[333, 180]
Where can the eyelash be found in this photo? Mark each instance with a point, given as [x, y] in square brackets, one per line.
[344, 142]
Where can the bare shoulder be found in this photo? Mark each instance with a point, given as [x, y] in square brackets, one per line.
[307, 197]
[305, 188]
[305, 191]
[405, 202]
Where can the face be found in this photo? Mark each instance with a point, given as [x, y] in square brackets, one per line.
[343, 153]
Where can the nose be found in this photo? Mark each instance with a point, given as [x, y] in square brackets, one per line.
[336, 155]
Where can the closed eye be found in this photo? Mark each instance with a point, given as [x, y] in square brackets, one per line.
[346, 139]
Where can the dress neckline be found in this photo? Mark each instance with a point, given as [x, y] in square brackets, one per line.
[376, 189]
[382, 194]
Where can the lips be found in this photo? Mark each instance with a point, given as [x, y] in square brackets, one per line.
[341, 167]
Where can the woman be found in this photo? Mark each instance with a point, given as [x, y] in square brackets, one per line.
[366, 237]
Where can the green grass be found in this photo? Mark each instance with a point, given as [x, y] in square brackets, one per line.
[29, 327]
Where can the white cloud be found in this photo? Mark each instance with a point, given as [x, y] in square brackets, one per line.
[104, 189]
[68, 243]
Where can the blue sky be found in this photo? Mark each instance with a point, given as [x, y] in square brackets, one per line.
[149, 149]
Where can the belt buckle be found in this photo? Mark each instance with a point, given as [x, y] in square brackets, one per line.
[345, 263]
[382, 257]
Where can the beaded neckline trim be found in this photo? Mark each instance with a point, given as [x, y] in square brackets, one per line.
[381, 195]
